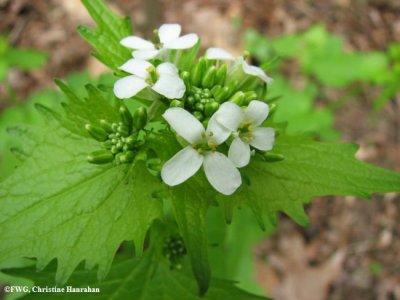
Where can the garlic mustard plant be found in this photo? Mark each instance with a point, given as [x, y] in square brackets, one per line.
[126, 165]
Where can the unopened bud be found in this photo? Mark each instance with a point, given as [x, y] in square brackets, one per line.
[96, 132]
[100, 157]
[237, 98]
[209, 77]
[140, 118]
[126, 116]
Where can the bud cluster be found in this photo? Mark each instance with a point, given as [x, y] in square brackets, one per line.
[174, 250]
[120, 140]
[207, 87]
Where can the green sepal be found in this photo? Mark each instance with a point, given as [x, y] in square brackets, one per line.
[140, 118]
[198, 72]
[221, 75]
[126, 116]
[209, 77]
[100, 157]
[96, 132]
[238, 98]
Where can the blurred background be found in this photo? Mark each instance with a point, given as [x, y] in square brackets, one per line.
[336, 65]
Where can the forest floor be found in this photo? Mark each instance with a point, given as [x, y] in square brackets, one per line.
[352, 249]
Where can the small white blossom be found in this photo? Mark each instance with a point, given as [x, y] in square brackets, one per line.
[164, 79]
[169, 35]
[246, 127]
[219, 170]
[218, 53]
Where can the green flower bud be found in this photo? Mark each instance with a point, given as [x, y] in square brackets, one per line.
[131, 140]
[238, 98]
[216, 89]
[198, 72]
[221, 74]
[249, 96]
[176, 103]
[114, 127]
[100, 157]
[106, 126]
[209, 77]
[210, 108]
[273, 157]
[140, 118]
[198, 115]
[127, 157]
[114, 150]
[123, 130]
[108, 144]
[191, 101]
[96, 132]
[223, 95]
[233, 85]
[126, 116]
[186, 79]
[199, 106]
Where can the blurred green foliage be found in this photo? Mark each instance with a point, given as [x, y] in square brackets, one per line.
[323, 62]
[23, 59]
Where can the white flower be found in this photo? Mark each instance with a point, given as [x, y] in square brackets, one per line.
[164, 79]
[169, 39]
[218, 53]
[219, 170]
[245, 125]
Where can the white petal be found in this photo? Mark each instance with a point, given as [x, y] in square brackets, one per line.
[169, 32]
[128, 86]
[221, 173]
[170, 86]
[239, 153]
[184, 42]
[167, 68]
[219, 132]
[218, 53]
[185, 124]
[257, 112]
[181, 166]
[256, 71]
[136, 42]
[264, 138]
[137, 67]
[229, 115]
[145, 54]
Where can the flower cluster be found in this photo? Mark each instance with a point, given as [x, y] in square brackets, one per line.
[216, 105]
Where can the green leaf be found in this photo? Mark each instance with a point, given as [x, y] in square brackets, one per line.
[309, 169]
[105, 38]
[145, 278]
[57, 205]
